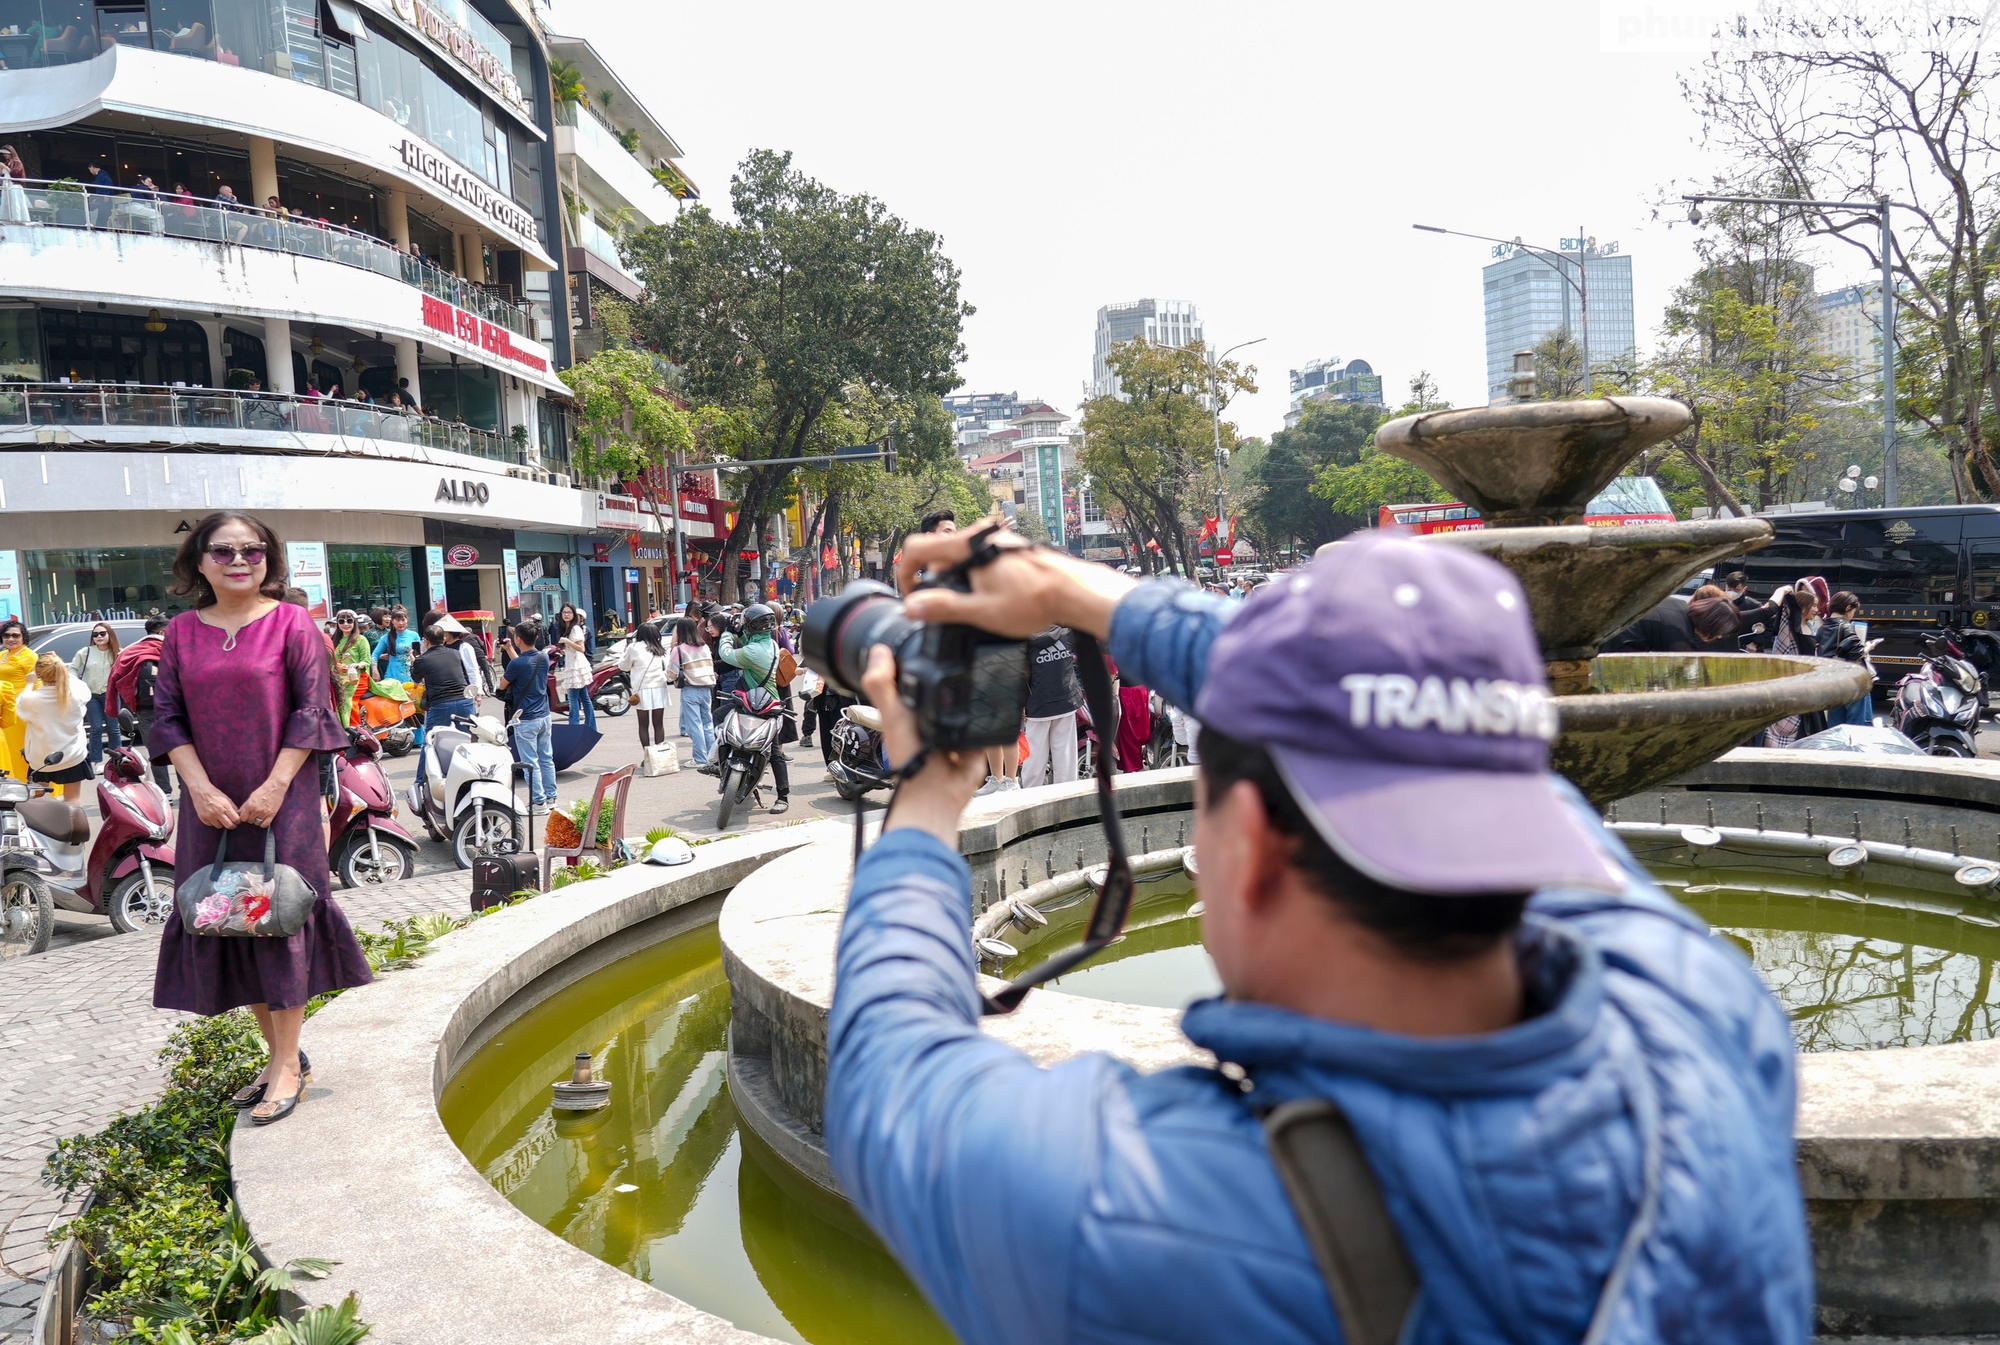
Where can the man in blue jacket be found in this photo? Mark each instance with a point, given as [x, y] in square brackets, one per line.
[1577, 1104]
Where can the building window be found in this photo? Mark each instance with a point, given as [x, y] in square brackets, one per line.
[362, 577]
[95, 584]
[117, 348]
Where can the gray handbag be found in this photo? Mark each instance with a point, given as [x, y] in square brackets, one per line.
[246, 898]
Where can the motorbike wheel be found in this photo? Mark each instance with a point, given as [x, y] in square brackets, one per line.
[732, 777]
[360, 868]
[1946, 747]
[27, 915]
[614, 698]
[491, 832]
[847, 791]
[398, 742]
[132, 908]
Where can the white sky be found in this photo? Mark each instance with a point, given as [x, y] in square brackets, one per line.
[1263, 159]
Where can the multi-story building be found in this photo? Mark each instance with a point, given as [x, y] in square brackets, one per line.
[1043, 447]
[1850, 327]
[1526, 299]
[620, 172]
[1164, 322]
[980, 415]
[249, 227]
[1332, 381]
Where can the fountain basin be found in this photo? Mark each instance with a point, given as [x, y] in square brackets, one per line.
[1586, 584]
[1533, 464]
[1652, 716]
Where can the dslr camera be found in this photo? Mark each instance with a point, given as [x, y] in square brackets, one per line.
[967, 688]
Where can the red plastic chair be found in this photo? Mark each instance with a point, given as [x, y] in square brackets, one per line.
[619, 781]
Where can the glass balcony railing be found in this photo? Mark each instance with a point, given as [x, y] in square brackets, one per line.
[85, 406]
[71, 205]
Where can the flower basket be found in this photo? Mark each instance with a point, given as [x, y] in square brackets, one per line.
[562, 832]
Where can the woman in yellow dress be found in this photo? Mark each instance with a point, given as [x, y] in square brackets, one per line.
[17, 661]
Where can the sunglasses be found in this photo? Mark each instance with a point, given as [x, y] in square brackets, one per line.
[100, 635]
[345, 621]
[230, 555]
[12, 635]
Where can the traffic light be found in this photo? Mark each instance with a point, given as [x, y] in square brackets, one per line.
[889, 457]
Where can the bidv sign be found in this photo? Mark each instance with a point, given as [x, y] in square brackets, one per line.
[462, 491]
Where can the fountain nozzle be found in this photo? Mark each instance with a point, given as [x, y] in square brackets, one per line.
[582, 1090]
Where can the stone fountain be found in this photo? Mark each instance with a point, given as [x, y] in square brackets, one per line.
[1628, 720]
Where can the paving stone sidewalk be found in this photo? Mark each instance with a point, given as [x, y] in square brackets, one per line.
[78, 1036]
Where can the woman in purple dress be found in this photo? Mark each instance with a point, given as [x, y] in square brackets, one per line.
[242, 703]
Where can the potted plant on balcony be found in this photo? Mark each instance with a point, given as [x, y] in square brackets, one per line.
[66, 195]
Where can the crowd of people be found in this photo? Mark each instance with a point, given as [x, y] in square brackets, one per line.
[1804, 617]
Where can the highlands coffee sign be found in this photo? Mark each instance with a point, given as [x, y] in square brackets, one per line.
[465, 49]
[490, 337]
[426, 162]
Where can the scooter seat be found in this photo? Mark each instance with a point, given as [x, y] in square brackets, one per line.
[867, 716]
[63, 822]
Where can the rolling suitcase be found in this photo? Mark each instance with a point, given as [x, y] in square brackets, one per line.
[496, 878]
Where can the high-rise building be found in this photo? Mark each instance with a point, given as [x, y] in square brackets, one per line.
[980, 415]
[1850, 327]
[1331, 381]
[1164, 322]
[1526, 300]
[171, 343]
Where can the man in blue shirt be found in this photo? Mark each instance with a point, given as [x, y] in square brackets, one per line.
[525, 684]
[1576, 1102]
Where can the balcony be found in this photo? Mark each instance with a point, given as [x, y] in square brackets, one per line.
[129, 415]
[69, 205]
[608, 168]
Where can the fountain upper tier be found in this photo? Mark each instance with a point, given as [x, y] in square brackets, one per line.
[1533, 464]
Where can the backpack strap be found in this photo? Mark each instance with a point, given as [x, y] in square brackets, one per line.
[1338, 1201]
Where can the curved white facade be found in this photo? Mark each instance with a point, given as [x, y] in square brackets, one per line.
[165, 88]
[76, 266]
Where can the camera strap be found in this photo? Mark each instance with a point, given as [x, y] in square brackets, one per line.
[1114, 899]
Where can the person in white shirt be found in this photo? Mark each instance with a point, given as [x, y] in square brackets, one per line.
[52, 708]
[691, 666]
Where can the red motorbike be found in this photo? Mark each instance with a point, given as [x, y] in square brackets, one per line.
[368, 846]
[48, 858]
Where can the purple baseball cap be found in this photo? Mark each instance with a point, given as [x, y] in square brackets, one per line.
[1398, 685]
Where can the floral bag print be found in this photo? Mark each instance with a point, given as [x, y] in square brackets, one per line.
[246, 898]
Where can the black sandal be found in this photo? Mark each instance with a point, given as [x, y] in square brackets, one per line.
[250, 1095]
[286, 1106]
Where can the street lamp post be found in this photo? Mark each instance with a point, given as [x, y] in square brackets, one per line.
[1215, 408]
[1555, 260]
[1878, 209]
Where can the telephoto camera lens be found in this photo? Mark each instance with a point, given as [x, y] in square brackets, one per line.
[967, 688]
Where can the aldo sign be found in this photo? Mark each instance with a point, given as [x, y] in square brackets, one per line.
[462, 491]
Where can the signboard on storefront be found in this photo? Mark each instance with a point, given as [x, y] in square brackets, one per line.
[475, 331]
[531, 571]
[307, 563]
[11, 604]
[462, 557]
[510, 575]
[434, 565]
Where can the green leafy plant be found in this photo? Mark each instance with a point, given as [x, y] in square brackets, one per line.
[579, 813]
[335, 1324]
[580, 871]
[630, 140]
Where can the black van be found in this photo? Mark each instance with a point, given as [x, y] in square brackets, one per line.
[1915, 570]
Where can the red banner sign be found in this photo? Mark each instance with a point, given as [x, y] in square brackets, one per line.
[440, 316]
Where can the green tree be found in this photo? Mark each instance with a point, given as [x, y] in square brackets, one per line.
[1150, 450]
[1741, 351]
[777, 315]
[1360, 488]
[628, 427]
[1329, 434]
[1559, 366]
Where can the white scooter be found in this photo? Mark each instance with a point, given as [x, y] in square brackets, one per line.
[465, 792]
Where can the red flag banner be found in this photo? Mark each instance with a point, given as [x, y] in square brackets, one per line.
[1209, 527]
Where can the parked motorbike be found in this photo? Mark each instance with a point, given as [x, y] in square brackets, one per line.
[1937, 706]
[857, 763]
[390, 718]
[368, 845]
[49, 859]
[466, 791]
[610, 690]
[748, 736]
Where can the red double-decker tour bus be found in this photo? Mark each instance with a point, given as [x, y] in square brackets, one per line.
[1627, 500]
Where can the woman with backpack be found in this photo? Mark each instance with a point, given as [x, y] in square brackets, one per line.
[691, 667]
[1839, 638]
